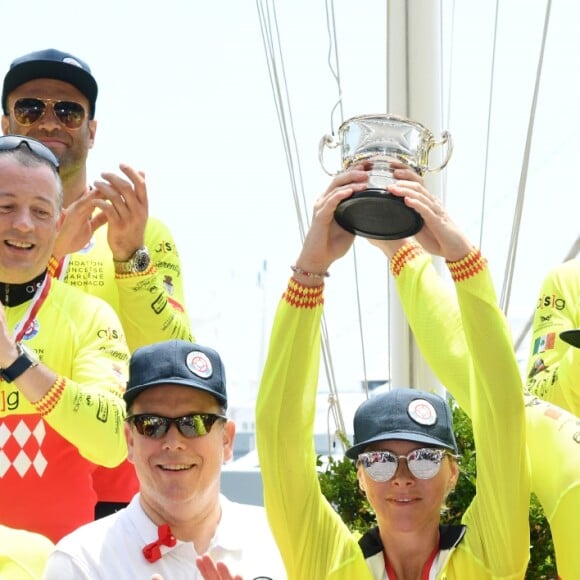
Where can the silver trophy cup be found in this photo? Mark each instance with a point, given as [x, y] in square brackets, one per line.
[382, 139]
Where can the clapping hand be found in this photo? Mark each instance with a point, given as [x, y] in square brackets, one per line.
[209, 570]
[125, 204]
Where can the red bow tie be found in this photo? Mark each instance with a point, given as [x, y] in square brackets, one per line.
[152, 551]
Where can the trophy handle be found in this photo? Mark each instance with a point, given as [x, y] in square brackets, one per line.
[330, 142]
[446, 139]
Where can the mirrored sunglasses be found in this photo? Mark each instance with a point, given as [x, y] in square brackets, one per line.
[423, 463]
[28, 111]
[12, 142]
[190, 426]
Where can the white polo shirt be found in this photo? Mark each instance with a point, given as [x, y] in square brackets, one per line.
[112, 548]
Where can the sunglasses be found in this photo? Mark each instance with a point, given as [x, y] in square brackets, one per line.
[13, 142]
[28, 111]
[190, 426]
[423, 463]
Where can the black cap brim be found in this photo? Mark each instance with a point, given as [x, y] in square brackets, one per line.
[50, 69]
[572, 337]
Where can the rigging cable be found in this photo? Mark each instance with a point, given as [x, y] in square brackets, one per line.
[333, 48]
[282, 101]
[276, 69]
[445, 114]
[506, 290]
[335, 71]
[334, 409]
[487, 141]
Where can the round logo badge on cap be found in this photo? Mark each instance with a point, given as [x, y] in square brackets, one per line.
[422, 412]
[199, 364]
[70, 60]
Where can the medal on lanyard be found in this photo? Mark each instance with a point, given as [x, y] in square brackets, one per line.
[37, 301]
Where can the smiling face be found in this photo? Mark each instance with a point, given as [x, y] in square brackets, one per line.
[405, 503]
[71, 146]
[179, 477]
[29, 219]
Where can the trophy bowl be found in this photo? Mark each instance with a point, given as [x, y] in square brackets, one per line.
[382, 139]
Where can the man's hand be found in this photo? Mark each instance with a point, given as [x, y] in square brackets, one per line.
[78, 225]
[125, 204]
[211, 570]
[8, 350]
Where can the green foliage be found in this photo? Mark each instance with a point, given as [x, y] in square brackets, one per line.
[339, 484]
[459, 500]
[542, 561]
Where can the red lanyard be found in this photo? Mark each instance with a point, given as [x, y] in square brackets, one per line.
[38, 300]
[61, 268]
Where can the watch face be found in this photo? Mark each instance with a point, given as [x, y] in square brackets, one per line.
[138, 262]
[141, 260]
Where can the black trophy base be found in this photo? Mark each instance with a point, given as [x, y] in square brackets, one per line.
[377, 214]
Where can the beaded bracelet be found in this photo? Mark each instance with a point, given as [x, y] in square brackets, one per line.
[298, 270]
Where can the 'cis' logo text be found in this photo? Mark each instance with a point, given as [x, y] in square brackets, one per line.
[551, 301]
[164, 247]
[108, 333]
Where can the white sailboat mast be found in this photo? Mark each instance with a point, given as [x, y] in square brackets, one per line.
[414, 90]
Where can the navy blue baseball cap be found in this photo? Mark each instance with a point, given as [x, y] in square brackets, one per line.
[406, 414]
[51, 64]
[176, 362]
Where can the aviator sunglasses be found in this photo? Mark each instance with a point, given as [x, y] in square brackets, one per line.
[13, 142]
[190, 426]
[423, 463]
[28, 111]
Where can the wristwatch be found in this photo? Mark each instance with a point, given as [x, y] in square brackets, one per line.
[138, 262]
[27, 358]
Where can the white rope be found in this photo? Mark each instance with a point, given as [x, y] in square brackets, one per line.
[487, 140]
[275, 62]
[451, 53]
[333, 66]
[335, 70]
[334, 408]
[510, 264]
[444, 113]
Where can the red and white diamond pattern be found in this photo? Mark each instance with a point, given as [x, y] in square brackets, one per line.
[22, 448]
